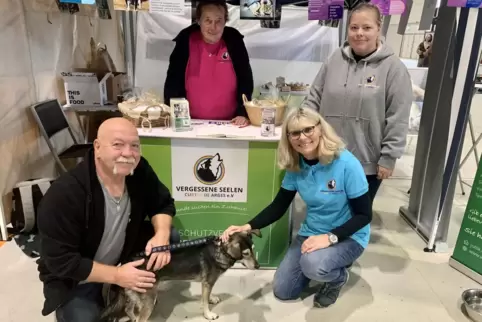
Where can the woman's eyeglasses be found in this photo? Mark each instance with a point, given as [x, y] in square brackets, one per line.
[307, 131]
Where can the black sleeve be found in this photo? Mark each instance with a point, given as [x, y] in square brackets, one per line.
[274, 211]
[60, 222]
[362, 215]
[174, 85]
[245, 79]
[158, 196]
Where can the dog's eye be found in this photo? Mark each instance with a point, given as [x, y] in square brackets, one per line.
[246, 252]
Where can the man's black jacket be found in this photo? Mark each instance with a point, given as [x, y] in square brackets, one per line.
[71, 217]
[175, 86]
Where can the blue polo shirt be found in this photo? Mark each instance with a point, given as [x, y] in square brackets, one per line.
[326, 189]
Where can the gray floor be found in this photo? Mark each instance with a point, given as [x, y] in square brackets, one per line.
[393, 281]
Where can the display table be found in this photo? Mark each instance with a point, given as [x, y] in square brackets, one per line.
[220, 175]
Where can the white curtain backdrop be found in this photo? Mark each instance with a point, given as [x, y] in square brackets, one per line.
[294, 51]
[38, 42]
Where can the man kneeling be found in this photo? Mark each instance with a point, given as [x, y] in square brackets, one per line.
[92, 218]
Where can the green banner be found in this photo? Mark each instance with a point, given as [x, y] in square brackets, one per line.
[468, 249]
[218, 183]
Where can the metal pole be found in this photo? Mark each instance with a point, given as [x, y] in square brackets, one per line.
[385, 25]
[453, 159]
[435, 120]
[342, 27]
[128, 23]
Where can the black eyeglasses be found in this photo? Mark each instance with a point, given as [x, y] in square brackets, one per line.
[307, 131]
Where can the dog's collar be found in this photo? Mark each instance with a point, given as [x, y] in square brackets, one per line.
[231, 259]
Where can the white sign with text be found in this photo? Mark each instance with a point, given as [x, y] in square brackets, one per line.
[209, 170]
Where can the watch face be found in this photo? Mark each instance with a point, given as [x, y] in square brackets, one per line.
[333, 238]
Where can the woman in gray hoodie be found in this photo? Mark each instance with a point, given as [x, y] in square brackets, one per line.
[365, 92]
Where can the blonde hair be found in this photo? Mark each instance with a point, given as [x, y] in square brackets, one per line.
[329, 148]
[367, 6]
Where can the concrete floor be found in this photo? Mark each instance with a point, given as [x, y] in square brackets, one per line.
[393, 281]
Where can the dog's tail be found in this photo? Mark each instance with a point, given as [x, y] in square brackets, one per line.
[114, 309]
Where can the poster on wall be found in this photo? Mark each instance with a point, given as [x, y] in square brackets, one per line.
[173, 7]
[103, 9]
[71, 8]
[89, 2]
[214, 171]
[465, 3]
[325, 9]
[276, 22]
[134, 5]
[258, 9]
[391, 7]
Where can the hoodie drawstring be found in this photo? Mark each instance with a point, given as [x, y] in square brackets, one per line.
[360, 100]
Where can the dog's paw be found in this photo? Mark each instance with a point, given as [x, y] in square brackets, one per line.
[210, 315]
[214, 299]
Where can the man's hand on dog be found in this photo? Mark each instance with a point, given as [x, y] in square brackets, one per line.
[128, 276]
[157, 260]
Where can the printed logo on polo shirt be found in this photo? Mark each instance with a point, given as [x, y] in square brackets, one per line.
[371, 79]
[331, 185]
[209, 169]
[225, 56]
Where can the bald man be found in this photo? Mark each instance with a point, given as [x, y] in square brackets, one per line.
[92, 219]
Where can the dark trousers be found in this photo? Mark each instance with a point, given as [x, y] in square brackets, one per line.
[87, 302]
[373, 185]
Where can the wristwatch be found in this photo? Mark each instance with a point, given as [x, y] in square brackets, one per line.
[332, 238]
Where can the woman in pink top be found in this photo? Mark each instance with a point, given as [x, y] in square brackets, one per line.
[210, 67]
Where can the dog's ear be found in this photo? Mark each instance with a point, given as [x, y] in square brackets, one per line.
[256, 232]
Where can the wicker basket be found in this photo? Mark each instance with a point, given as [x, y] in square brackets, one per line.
[255, 107]
[145, 116]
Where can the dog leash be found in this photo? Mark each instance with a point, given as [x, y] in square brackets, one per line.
[181, 245]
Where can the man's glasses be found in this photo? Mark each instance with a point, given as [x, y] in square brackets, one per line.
[307, 131]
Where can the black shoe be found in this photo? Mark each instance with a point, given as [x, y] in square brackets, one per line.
[329, 292]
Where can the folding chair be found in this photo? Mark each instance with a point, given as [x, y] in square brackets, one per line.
[51, 119]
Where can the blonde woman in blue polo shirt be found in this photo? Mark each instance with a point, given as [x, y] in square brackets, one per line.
[336, 230]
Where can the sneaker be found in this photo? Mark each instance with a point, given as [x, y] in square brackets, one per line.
[329, 292]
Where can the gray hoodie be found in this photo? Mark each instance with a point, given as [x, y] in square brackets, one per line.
[368, 104]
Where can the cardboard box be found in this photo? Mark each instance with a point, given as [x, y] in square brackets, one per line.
[84, 87]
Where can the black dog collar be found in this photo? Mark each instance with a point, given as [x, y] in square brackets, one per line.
[181, 245]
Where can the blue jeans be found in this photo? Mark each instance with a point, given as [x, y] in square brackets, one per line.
[87, 303]
[324, 265]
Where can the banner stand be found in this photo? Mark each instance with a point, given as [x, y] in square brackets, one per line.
[465, 270]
